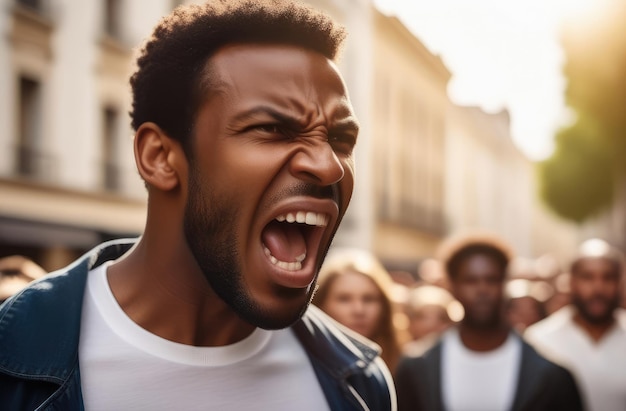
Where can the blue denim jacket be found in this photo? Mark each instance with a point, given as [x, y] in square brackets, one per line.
[40, 330]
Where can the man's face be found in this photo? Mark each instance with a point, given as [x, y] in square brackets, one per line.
[479, 287]
[272, 144]
[595, 288]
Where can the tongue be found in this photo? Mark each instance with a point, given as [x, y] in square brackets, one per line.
[285, 241]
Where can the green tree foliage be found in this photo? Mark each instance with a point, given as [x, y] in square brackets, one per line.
[589, 161]
[578, 180]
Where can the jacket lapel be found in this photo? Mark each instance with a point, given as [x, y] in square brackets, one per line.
[527, 382]
[434, 393]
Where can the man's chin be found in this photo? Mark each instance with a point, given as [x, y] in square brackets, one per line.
[598, 318]
[274, 322]
[273, 319]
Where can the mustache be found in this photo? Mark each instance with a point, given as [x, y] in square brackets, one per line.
[598, 299]
[305, 189]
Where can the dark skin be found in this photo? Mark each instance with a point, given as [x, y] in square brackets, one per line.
[479, 287]
[281, 121]
[595, 285]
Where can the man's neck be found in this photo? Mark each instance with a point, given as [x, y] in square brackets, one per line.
[483, 339]
[596, 331]
[170, 302]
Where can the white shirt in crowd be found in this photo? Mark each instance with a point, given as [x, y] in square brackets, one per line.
[599, 367]
[479, 381]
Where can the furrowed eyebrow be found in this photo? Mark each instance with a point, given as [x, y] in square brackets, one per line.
[266, 110]
[346, 125]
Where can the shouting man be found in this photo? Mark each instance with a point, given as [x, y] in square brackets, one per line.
[244, 138]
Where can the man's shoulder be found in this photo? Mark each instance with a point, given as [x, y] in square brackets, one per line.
[40, 296]
[39, 327]
[548, 379]
[542, 364]
[67, 282]
[46, 315]
[551, 326]
[344, 357]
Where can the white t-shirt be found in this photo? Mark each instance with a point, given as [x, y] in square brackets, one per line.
[125, 367]
[599, 368]
[479, 381]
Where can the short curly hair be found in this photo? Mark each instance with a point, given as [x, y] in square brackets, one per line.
[169, 84]
[457, 249]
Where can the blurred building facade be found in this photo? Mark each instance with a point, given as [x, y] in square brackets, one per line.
[440, 168]
[67, 176]
[425, 167]
[489, 181]
[409, 115]
[491, 185]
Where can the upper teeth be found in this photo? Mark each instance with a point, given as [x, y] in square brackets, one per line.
[305, 217]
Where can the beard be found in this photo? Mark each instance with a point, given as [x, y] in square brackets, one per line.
[604, 317]
[490, 322]
[484, 319]
[209, 227]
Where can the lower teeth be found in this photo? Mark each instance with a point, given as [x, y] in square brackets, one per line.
[293, 266]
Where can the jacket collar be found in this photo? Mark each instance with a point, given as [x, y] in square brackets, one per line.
[339, 350]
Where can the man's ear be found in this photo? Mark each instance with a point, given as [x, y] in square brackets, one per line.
[159, 158]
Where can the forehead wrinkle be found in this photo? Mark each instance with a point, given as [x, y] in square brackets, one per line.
[339, 115]
[296, 96]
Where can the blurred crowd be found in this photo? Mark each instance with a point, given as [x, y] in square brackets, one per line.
[478, 329]
[481, 329]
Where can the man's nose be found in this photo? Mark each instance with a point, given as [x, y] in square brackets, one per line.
[317, 163]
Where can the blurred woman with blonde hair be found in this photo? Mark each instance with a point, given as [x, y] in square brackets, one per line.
[355, 289]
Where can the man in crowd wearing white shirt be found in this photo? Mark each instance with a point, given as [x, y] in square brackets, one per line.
[589, 335]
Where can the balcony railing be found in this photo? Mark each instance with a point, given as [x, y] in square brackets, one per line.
[33, 163]
[411, 215]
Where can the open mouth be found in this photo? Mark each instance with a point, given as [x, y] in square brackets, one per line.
[290, 237]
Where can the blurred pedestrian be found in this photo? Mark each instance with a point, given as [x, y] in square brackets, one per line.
[244, 137]
[482, 364]
[428, 311]
[524, 305]
[16, 272]
[589, 335]
[355, 289]
[561, 295]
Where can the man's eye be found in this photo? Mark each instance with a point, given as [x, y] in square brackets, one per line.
[269, 128]
[342, 144]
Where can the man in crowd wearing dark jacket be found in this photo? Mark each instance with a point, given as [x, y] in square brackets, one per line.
[481, 364]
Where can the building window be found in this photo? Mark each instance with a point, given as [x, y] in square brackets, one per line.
[29, 155]
[112, 18]
[110, 165]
